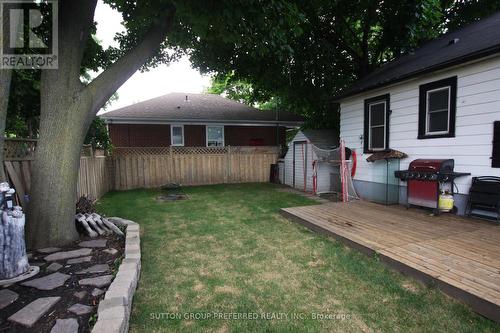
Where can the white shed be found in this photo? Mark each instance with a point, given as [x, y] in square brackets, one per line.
[298, 161]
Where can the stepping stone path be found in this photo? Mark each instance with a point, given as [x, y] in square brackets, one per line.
[102, 268]
[7, 297]
[48, 257]
[80, 294]
[29, 315]
[54, 267]
[68, 254]
[99, 281]
[97, 292]
[65, 326]
[80, 309]
[93, 243]
[111, 251]
[48, 250]
[47, 282]
[79, 260]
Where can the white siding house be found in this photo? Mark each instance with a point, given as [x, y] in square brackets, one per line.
[298, 161]
[470, 144]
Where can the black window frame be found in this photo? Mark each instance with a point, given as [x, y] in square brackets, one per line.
[495, 154]
[366, 130]
[450, 82]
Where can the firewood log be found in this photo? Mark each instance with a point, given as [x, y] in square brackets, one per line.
[93, 224]
[83, 222]
[112, 226]
[97, 219]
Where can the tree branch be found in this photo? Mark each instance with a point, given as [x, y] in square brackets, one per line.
[353, 33]
[106, 84]
[354, 53]
[365, 47]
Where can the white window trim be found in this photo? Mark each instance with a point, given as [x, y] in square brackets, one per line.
[206, 134]
[172, 135]
[370, 125]
[427, 132]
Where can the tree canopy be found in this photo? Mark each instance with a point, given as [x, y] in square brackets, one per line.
[339, 42]
[290, 54]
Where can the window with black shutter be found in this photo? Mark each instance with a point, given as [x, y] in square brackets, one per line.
[495, 156]
[376, 124]
[437, 109]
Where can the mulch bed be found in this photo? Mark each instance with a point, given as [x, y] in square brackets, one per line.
[67, 291]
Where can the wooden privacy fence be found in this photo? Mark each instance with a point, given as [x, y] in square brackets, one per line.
[95, 176]
[130, 168]
[152, 167]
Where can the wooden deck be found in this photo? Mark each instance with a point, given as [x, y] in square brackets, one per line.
[459, 255]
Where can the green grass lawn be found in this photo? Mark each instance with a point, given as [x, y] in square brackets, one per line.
[227, 251]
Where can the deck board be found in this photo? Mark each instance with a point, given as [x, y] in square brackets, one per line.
[461, 255]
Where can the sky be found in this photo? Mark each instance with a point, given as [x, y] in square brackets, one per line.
[176, 77]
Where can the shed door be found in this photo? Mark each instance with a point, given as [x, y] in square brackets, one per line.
[299, 164]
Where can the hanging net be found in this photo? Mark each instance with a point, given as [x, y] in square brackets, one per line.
[351, 191]
[334, 158]
[333, 155]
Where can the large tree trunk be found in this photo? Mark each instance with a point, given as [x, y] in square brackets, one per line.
[55, 174]
[62, 118]
[67, 110]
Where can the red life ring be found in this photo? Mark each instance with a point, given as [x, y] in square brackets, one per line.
[354, 163]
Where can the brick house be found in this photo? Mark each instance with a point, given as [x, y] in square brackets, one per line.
[196, 120]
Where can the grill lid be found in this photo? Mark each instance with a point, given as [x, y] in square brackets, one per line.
[432, 165]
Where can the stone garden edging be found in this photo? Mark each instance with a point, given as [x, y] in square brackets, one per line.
[113, 312]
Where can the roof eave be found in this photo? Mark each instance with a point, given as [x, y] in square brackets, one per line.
[147, 121]
[470, 57]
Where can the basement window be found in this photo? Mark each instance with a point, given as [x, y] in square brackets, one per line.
[437, 108]
[177, 135]
[215, 136]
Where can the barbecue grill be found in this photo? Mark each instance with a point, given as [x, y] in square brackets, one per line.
[426, 179]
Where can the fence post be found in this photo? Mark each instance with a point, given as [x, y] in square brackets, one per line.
[228, 165]
[111, 173]
[171, 172]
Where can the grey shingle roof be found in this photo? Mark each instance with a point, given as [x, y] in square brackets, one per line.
[476, 40]
[197, 107]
